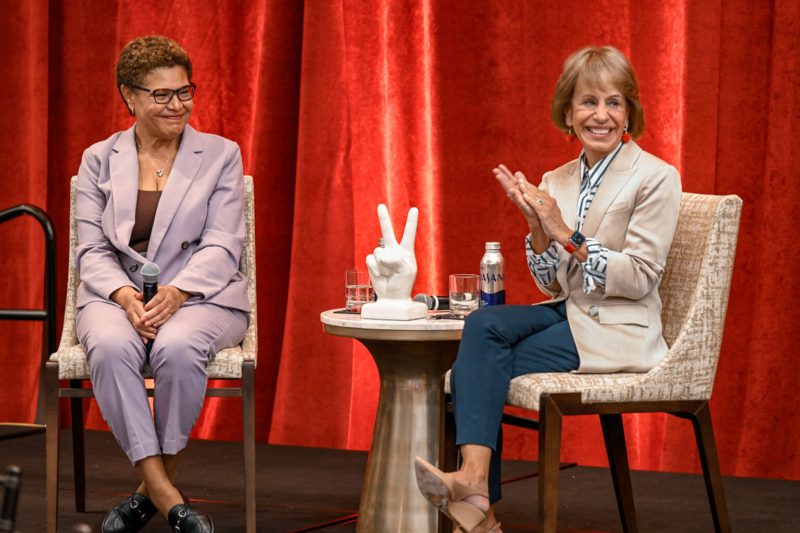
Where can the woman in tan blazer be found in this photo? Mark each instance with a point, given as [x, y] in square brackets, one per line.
[600, 231]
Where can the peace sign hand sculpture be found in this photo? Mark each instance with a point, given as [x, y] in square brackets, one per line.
[393, 269]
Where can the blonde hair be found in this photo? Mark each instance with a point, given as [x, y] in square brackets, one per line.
[596, 66]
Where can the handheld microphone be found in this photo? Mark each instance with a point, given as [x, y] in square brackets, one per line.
[150, 273]
[434, 303]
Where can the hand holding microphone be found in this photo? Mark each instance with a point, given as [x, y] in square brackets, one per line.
[160, 303]
[150, 273]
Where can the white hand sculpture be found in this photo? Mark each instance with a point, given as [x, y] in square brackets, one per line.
[393, 269]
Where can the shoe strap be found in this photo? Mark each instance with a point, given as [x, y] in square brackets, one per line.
[461, 491]
[142, 505]
[177, 515]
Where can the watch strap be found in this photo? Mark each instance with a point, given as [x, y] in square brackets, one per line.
[575, 241]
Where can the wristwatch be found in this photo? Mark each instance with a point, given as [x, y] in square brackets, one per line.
[575, 241]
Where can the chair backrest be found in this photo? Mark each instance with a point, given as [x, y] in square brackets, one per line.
[69, 334]
[694, 294]
[247, 265]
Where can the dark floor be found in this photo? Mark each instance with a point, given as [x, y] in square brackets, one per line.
[300, 487]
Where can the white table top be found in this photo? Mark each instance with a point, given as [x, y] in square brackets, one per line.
[348, 320]
[352, 325]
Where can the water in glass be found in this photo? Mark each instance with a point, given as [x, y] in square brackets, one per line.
[358, 295]
[463, 303]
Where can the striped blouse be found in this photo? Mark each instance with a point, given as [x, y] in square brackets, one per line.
[543, 266]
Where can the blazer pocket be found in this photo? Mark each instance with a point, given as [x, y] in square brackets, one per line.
[617, 207]
[623, 314]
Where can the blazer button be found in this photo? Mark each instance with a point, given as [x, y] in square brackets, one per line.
[185, 244]
[593, 310]
[134, 268]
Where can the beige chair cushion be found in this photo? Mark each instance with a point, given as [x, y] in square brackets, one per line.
[72, 364]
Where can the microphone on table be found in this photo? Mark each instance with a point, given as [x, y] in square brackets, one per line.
[150, 273]
[434, 303]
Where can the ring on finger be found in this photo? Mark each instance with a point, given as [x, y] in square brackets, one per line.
[539, 201]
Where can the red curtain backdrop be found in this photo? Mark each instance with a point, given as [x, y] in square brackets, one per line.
[340, 105]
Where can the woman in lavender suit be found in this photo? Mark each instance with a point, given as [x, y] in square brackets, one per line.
[165, 193]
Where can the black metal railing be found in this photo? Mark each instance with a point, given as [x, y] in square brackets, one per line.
[48, 313]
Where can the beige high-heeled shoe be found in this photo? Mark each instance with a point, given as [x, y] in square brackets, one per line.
[448, 495]
[483, 529]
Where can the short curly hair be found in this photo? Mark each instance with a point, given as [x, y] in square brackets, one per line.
[597, 65]
[145, 54]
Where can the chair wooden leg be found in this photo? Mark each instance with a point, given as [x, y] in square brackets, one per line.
[707, 448]
[78, 450]
[549, 459]
[249, 441]
[51, 442]
[448, 455]
[614, 436]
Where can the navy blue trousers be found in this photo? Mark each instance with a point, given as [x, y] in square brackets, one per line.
[498, 344]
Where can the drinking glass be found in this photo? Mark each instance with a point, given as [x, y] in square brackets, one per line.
[358, 290]
[465, 294]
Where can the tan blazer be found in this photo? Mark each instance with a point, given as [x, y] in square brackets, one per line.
[634, 215]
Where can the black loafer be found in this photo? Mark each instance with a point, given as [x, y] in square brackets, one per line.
[130, 515]
[184, 519]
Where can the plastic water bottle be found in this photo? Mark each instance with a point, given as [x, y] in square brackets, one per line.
[493, 288]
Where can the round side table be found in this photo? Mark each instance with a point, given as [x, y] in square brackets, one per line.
[412, 358]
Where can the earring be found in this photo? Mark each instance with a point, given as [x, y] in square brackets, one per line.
[570, 136]
[626, 137]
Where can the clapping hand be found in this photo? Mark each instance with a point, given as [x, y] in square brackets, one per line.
[541, 210]
[393, 268]
[511, 185]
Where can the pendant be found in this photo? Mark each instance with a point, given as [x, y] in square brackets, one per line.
[160, 172]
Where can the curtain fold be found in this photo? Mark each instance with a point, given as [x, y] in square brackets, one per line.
[23, 153]
[341, 105]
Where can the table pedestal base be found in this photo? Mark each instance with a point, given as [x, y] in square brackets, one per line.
[409, 423]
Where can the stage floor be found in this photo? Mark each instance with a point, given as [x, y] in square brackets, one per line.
[300, 488]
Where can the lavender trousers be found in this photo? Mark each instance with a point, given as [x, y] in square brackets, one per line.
[183, 347]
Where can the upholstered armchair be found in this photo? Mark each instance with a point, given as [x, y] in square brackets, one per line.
[694, 293]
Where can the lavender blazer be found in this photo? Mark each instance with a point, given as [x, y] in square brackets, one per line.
[198, 228]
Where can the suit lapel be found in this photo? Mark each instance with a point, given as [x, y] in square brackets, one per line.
[124, 174]
[187, 163]
[566, 192]
[615, 177]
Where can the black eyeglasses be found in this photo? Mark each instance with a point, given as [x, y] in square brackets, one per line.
[164, 96]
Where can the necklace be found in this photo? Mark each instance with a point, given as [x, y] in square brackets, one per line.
[158, 172]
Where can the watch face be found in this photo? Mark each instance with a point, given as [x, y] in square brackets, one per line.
[577, 239]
